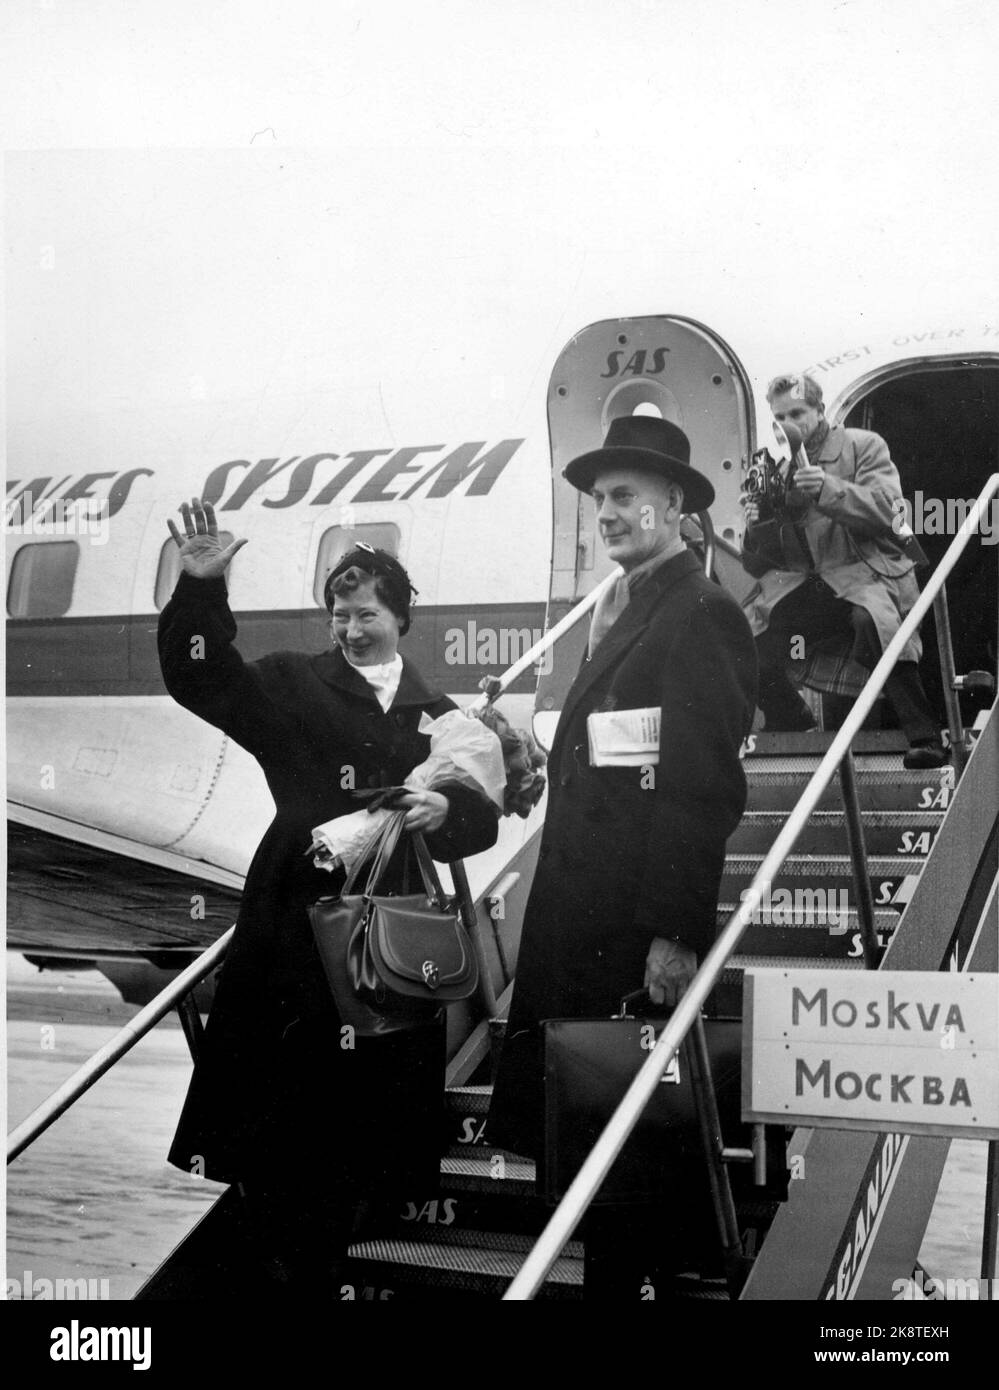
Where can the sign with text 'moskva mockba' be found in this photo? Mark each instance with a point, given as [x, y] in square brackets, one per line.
[889, 1050]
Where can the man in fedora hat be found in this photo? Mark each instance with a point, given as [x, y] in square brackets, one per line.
[626, 888]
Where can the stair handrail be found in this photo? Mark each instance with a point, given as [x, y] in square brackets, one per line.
[174, 993]
[105, 1057]
[597, 1164]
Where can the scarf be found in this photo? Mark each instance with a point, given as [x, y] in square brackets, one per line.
[384, 680]
[813, 446]
[615, 599]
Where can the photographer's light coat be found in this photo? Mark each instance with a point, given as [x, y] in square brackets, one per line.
[849, 533]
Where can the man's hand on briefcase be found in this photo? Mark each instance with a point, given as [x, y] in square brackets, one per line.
[669, 968]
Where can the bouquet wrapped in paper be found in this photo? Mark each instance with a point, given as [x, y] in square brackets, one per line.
[523, 760]
[480, 751]
[462, 750]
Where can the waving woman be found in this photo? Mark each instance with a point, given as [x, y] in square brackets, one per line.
[308, 1121]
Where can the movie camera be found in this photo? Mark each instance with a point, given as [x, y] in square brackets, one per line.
[767, 485]
[766, 481]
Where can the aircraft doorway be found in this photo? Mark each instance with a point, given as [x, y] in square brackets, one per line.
[942, 428]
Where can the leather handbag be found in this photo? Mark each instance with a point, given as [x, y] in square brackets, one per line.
[393, 961]
[590, 1063]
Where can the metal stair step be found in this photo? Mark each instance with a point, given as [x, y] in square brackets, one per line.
[469, 1100]
[798, 865]
[481, 1145]
[880, 761]
[879, 789]
[466, 1110]
[829, 935]
[816, 742]
[779, 914]
[827, 882]
[511, 1178]
[691, 1288]
[483, 1266]
[885, 832]
[805, 943]
[456, 1237]
[737, 964]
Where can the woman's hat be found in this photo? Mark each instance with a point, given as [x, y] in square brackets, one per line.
[392, 583]
[651, 444]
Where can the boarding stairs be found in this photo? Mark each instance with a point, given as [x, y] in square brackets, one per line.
[469, 1240]
[933, 864]
[872, 865]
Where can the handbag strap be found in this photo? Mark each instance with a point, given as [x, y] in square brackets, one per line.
[431, 881]
[381, 845]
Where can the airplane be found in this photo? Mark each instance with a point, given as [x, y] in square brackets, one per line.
[132, 823]
[352, 339]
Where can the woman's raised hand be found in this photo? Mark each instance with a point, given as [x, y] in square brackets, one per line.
[202, 554]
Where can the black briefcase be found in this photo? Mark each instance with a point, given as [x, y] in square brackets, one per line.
[590, 1063]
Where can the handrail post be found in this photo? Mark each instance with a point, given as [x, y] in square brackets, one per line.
[858, 857]
[945, 649]
[190, 1021]
[105, 1057]
[708, 532]
[486, 993]
[990, 1222]
[712, 1142]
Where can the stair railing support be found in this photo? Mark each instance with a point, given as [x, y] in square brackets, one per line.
[709, 1122]
[190, 1021]
[123, 1041]
[945, 647]
[486, 993]
[858, 858]
[990, 1224]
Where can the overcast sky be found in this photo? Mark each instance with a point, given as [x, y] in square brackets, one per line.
[497, 173]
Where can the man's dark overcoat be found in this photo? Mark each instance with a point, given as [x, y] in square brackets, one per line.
[275, 1090]
[621, 861]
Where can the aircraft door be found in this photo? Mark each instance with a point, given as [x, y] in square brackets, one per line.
[661, 365]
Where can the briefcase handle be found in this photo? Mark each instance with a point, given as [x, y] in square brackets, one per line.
[628, 1000]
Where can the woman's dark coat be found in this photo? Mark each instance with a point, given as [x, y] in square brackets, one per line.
[622, 861]
[277, 1091]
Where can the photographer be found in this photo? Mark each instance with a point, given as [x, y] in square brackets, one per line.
[829, 565]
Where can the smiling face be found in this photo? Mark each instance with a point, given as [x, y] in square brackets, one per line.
[361, 624]
[638, 514]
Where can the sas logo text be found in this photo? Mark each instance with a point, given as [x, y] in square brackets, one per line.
[635, 365]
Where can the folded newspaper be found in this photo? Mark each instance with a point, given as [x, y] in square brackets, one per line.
[624, 737]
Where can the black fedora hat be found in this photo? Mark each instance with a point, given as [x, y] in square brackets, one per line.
[651, 444]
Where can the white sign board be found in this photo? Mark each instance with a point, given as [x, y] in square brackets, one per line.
[889, 1050]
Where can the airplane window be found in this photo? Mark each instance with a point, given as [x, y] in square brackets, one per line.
[334, 544]
[168, 569]
[41, 579]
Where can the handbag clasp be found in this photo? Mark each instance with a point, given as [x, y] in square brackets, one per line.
[431, 974]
